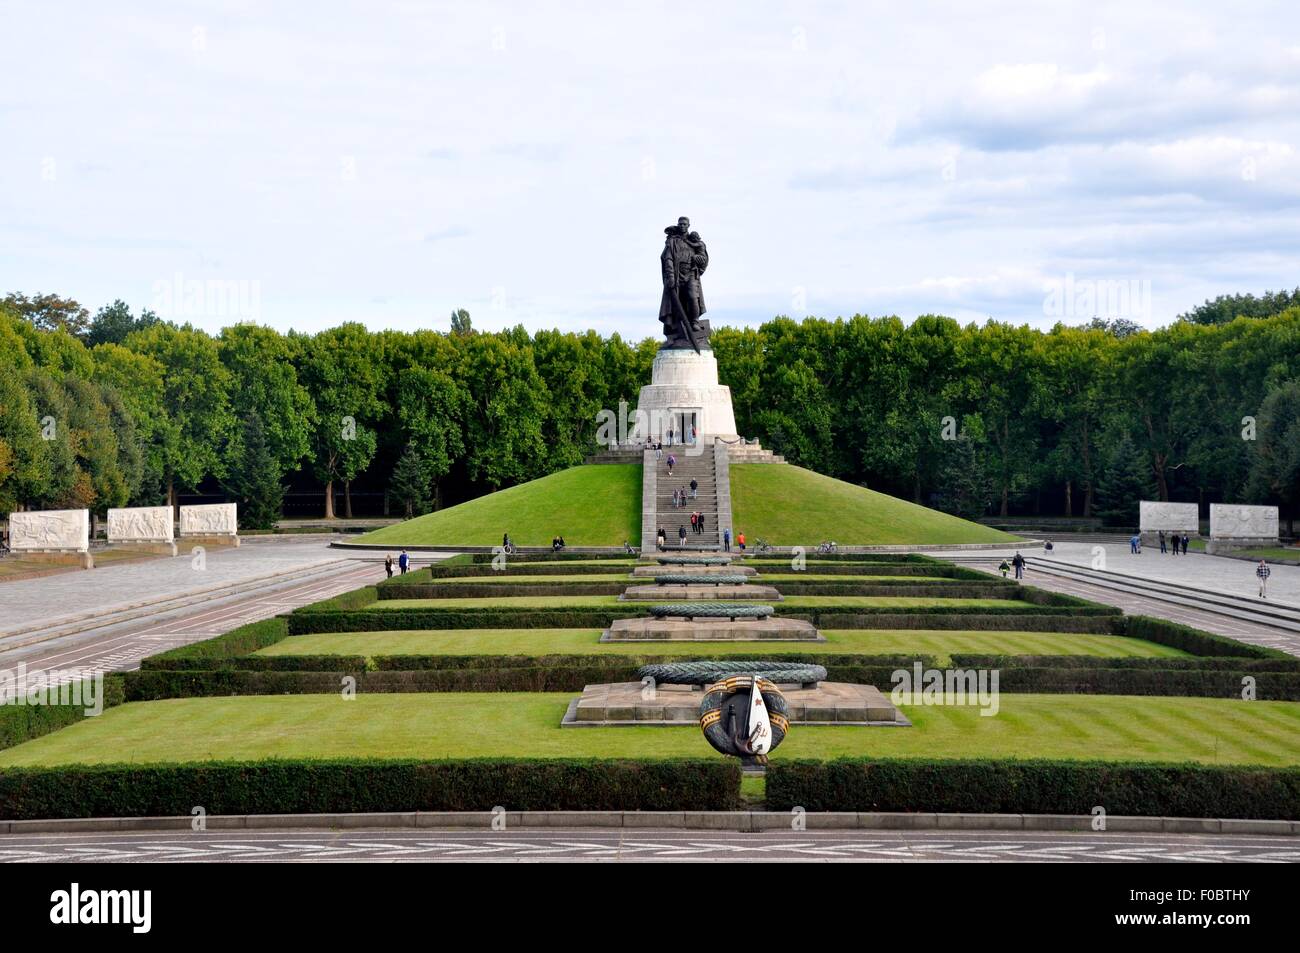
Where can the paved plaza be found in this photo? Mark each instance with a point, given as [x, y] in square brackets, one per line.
[662, 846]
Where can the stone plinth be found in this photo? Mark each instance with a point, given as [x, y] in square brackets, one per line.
[827, 703]
[771, 629]
[683, 383]
[700, 593]
[1154, 516]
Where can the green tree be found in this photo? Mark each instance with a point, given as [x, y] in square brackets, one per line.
[345, 374]
[409, 484]
[461, 323]
[253, 477]
[195, 399]
[260, 362]
[1124, 483]
[1275, 467]
[48, 312]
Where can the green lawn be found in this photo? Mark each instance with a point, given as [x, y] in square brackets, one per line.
[838, 641]
[538, 602]
[527, 725]
[788, 505]
[588, 506]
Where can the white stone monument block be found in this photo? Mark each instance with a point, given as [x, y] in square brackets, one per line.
[211, 519]
[141, 524]
[1234, 521]
[1154, 516]
[684, 392]
[56, 530]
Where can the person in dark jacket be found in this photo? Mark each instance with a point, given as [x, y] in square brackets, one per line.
[403, 562]
[388, 565]
[1018, 562]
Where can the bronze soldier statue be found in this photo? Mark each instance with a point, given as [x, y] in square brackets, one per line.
[684, 259]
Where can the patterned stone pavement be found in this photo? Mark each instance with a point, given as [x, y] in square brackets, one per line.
[646, 846]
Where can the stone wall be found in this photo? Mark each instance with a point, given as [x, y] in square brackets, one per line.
[1233, 521]
[213, 519]
[1155, 516]
[141, 524]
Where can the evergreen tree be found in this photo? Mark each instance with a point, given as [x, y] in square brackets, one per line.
[409, 484]
[254, 479]
[966, 489]
[1124, 483]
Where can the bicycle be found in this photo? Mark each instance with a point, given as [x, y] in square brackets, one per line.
[828, 546]
[629, 549]
[762, 547]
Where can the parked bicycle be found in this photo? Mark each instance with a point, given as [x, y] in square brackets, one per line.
[762, 547]
[828, 546]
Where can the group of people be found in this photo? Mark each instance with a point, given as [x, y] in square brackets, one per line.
[1017, 563]
[684, 494]
[557, 543]
[403, 563]
[1171, 544]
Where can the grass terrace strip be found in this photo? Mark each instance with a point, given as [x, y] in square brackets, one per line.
[1035, 787]
[473, 725]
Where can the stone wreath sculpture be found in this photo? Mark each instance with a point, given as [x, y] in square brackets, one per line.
[710, 610]
[693, 560]
[686, 579]
[743, 714]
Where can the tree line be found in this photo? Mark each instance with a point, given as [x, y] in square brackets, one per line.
[122, 409]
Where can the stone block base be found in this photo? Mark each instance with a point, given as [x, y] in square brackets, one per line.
[1214, 546]
[771, 629]
[617, 704]
[185, 542]
[53, 557]
[158, 548]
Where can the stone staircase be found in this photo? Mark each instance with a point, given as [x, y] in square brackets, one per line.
[713, 499]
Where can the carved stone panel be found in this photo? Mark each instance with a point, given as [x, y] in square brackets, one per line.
[212, 519]
[50, 529]
[1155, 516]
[139, 524]
[1234, 521]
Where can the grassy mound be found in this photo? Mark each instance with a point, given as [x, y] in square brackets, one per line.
[588, 506]
[788, 505]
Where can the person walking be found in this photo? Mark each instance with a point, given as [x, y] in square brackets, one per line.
[681, 536]
[1133, 545]
[740, 541]
[695, 488]
[726, 540]
[1263, 572]
[1004, 567]
[1162, 541]
[659, 451]
[671, 462]
[388, 565]
[404, 562]
[700, 530]
[670, 436]
[693, 529]
[1018, 562]
[1186, 540]
[662, 540]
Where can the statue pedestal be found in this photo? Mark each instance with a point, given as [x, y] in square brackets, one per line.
[684, 392]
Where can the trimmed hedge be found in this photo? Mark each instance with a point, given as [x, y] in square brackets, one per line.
[1191, 640]
[494, 590]
[935, 590]
[1218, 663]
[1187, 683]
[20, 723]
[237, 642]
[351, 786]
[308, 621]
[1034, 787]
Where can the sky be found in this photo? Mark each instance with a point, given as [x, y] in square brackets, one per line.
[305, 164]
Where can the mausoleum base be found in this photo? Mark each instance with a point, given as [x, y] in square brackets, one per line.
[1216, 546]
[156, 548]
